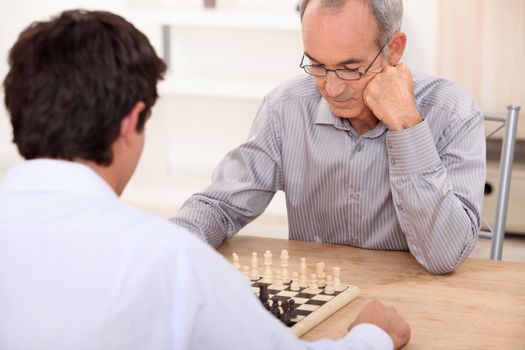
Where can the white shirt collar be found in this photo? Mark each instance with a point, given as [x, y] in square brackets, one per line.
[45, 175]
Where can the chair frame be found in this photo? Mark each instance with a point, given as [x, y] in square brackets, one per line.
[497, 233]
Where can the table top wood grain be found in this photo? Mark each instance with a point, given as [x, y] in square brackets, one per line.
[479, 306]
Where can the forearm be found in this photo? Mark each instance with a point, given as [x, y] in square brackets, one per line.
[439, 230]
[243, 184]
[438, 209]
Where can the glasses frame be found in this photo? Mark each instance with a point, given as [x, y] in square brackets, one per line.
[326, 70]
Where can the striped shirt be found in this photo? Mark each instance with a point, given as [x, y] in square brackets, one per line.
[419, 189]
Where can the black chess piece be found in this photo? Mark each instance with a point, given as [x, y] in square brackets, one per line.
[292, 308]
[275, 308]
[285, 317]
[263, 293]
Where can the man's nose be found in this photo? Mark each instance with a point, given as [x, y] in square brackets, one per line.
[334, 86]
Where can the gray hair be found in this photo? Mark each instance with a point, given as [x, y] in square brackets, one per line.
[388, 15]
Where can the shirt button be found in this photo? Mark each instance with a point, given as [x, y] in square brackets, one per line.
[392, 161]
[400, 207]
[356, 197]
[354, 241]
[389, 144]
[359, 147]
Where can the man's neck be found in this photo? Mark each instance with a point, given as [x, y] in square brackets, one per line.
[107, 173]
[365, 122]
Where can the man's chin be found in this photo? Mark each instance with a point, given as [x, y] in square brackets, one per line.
[346, 112]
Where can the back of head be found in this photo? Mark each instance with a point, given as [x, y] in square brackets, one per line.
[71, 81]
[388, 14]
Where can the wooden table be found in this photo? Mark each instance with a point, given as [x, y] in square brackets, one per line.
[479, 306]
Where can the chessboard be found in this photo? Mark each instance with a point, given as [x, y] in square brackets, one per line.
[301, 303]
[312, 306]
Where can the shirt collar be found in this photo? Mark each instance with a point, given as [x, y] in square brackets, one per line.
[326, 117]
[47, 175]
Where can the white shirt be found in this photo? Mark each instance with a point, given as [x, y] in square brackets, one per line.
[81, 270]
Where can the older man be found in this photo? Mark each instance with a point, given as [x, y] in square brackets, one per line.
[367, 154]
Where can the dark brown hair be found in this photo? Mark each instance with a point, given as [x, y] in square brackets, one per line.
[71, 81]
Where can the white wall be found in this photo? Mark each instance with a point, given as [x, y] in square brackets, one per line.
[420, 22]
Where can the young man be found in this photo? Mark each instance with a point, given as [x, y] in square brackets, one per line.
[78, 268]
[367, 154]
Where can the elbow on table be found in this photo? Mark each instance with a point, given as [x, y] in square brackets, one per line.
[442, 269]
[439, 262]
[441, 265]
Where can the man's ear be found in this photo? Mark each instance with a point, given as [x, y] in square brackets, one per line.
[397, 47]
[128, 125]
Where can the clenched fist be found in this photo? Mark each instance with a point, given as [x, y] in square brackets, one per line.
[386, 318]
[390, 96]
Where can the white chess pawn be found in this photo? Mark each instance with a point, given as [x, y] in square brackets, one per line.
[338, 286]
[303, 278]
[268, 275]
[254, 274]
[255, 259]
[294, 286]
[321, 276]
[312, 284]
[268, 258]
[236, 263]
[329, 289]
[278, 282]
[303, 268]
[284, 266]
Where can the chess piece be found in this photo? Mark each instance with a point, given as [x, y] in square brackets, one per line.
[264, 296]
[278, 283]
[329, 289]
[294, 286]
[321, 276]
[338, 286]
[254, 274]
[235, 262]
[268, 276]
[275, 307]
[303, 269]
[263, 292]
[293, 308]
[285, 316]
[284, 266]
[312, 284]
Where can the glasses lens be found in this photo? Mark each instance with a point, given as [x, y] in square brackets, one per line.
[348, 74]
[318, 71]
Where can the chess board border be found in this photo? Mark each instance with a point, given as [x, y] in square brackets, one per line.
[326, 310]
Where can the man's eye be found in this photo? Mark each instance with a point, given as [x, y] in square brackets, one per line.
[351, 69]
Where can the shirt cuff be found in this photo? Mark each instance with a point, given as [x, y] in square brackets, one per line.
[370, 337]
[412, 151]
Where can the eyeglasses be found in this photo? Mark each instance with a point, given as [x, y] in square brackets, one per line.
[318, 70]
